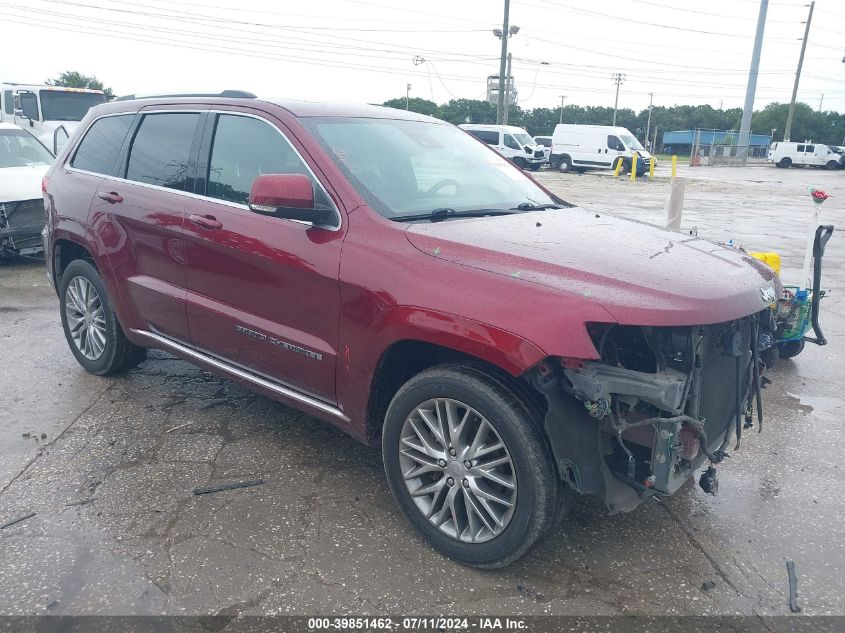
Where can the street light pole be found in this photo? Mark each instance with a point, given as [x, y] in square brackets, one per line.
[407, 95]
[751, 87]
[648, 125]
[508, 81]
[501, 96]
[562, 99]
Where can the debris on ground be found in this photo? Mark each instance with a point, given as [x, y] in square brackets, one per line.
[181, 426]
[793, 587]
[232, 486]
[18, 520]
[707, 585]
[529, 593]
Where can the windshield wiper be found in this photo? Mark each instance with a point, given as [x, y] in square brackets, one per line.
[437, 215]
[529, 206]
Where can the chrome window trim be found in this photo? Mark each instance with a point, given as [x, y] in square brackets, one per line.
[276, 387]
[197, 196]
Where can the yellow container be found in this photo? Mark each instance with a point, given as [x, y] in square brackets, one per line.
[771, 259]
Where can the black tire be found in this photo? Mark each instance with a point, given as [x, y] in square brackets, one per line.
[535, 166]
[565, 165]
[832, 164]
[785, 162]
[791, 349]
[520, 162]
[539, 493]
[118, 354]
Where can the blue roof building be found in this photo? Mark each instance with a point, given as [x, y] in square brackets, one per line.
[686, 138]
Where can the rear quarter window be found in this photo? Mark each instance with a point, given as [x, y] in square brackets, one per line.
[491, 138]
[99, 149]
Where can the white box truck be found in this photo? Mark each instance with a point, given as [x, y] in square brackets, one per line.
[789, 154]
[51, 113]
[583, 147]
[512, 142]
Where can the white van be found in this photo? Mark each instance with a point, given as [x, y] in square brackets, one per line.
[787, 154]
[51, 113]
[546, 142]
[595, 147]
[513, 143]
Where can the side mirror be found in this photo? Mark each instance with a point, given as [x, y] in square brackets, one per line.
[289, 196]
[29, 106]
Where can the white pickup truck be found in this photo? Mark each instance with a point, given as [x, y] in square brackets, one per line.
[51, 113]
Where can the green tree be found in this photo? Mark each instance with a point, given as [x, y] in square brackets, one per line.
[415, 104]
[74, 79]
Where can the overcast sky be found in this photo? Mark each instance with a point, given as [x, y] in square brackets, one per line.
[368, 50]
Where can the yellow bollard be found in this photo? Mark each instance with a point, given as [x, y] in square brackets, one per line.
[651, 167]
[674, 166]
[634, 167]
[618, 168]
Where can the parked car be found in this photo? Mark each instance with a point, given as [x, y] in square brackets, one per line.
[383, 271]
[595, 147]
[788, 154]
[23, 163]
[546, 143]
[513, 143]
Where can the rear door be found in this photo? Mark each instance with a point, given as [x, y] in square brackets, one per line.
[263, 291]
[141, 216]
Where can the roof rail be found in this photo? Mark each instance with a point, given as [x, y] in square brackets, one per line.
[230, 94]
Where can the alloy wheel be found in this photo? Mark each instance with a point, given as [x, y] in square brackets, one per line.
[86, 319]
[458, 470]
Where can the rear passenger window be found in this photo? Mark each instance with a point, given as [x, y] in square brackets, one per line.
[245, 148]
[99, 149]
[811, 149]
[491, 138]
[159, 153]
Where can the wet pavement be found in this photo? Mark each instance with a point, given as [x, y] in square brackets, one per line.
[117, 529]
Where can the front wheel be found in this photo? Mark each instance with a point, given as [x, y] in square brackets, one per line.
[785, 162]
[535, 166]
[565, 165]
[832, 164]
[791, 349]
[468, 465]
[90, 325]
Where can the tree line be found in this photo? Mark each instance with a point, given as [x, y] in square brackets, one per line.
[808, 124]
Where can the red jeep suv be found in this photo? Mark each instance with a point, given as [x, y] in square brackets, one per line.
[392, 275]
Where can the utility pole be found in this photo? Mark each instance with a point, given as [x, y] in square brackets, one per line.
[788, 129]
[751, 88]
[407, 95]
[562, 99]
[618, 78]
[501, 96]
[508, 81]
[648, 125]
[821, 102]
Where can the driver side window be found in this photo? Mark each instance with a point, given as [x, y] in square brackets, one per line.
[614, 143]
[244, 148]
[511, 142]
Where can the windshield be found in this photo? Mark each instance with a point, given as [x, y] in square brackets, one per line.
[407, 168]
[58, 105]
[18, 148]
[524, 139]
[631, 142]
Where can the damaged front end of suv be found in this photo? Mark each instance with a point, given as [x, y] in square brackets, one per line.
[658, 404]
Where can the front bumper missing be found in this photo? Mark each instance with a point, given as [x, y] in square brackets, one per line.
[625, 434]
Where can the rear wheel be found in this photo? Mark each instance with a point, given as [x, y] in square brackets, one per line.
[785, 162]
[468, 465]
[90, 325]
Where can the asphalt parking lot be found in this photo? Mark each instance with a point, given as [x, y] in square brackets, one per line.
[108, 464]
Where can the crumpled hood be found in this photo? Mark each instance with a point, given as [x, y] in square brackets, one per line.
[21, 183]
[640, 274]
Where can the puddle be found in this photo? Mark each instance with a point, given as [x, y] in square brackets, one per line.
[818, 405]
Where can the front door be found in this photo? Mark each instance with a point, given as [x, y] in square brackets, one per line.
[262, 291]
